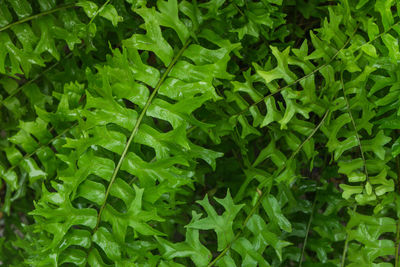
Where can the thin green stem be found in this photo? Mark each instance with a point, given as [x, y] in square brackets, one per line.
[238, 9]
[37, 16]
[346, 245]
[13, 93]
[307, 232]
[377, 37]
[361, 152]
[135, 130]
[40, 147]
[98, 11]
[299, 79]
[318, 68]
[240, 231]
[310, 136]
[19, 89]
[354, 126]
[265, 193]
[225, 250]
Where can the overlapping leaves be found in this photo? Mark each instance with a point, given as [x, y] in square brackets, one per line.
[162, 158]
[208, 134]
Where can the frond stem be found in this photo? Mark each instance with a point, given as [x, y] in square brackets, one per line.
[346, 245]
[318, 68]
[310, 136]
[98, 11]
[299, 79]
[136, 128]
[307, 231]
[354, 126]
[29, 82]
[19, 89]
[40, 147]
[37, 16]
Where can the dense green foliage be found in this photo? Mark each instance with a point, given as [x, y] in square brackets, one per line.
[199, 133]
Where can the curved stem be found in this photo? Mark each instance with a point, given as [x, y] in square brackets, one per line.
[135, 130]
[354, 126]
[37, 16]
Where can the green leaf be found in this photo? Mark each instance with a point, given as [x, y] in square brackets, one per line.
[89, 7]
[109, 12]
[369, 50]
[191, 247]
[168, 17]
[258, 227]
[117, 116]
[153, 39]
[396, 148]
[104, 239]
[349, 190]
[21, 7]
[383, 7]
[222, 225]
[134, 217]
[273, 209]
